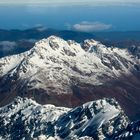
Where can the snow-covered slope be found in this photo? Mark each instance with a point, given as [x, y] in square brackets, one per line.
[26, 119]
[54, 64]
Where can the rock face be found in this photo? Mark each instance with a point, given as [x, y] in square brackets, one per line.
[67, 73]
[101, 119]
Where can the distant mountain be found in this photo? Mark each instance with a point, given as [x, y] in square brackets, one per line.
[37, 33]
[118, 35]
[67, 73]
[18, 41]
[100, 119]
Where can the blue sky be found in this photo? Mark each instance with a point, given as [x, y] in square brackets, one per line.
[86, 16]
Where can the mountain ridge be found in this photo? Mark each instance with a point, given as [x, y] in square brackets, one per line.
[23, 118]
[58, 122]
[56, 70]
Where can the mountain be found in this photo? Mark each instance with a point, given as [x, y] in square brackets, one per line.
[101, 119]
[67, 73]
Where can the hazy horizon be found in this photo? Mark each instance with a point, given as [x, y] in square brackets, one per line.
[86, 16]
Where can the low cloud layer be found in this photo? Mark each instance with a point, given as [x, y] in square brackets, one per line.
[72, 1]
[86, 26]
[7, 45]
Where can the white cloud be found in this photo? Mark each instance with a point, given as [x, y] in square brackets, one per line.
[86, 26]
[32, 40]
[7, 45]
[74, 2]
[41, 29]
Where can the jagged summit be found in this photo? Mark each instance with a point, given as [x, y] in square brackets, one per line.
[59, 46]
[54, 43]
[101, 119]
[30, 120]
[56, 50]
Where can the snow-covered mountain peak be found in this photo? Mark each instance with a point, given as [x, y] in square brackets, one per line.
[29, 108]
[101, 119]
[89, 44]
[57, 46]
[54, 63]
[101, 104]
[52, 41]
[97, 119]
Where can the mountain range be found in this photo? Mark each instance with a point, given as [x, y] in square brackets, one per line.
[68, 73]
[96, 120]
[17, 41]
